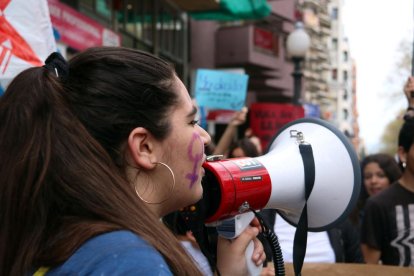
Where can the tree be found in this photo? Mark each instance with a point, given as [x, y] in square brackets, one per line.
[389, 138]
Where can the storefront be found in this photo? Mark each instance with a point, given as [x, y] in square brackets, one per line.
[155, 26]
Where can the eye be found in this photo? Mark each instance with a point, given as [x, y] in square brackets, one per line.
[194, 122]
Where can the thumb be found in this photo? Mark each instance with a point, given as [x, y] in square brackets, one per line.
[246, 236]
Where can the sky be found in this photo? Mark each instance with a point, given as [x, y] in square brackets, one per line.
[375, 29]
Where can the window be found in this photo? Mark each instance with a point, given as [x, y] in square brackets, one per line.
[334, 14]
[334, 43]
[345, 113]
[157, 27]
[345, 56]
[345, 75]
[334, 74]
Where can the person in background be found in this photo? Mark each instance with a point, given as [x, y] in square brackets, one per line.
[379, 171]
[93, 154]
[256, 141]
[229, 134]
[243, 148]
[388, 223]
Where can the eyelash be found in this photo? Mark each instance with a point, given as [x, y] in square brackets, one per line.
[194, 122]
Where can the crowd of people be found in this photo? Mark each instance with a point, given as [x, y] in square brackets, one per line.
[378, 230]
[101, 173]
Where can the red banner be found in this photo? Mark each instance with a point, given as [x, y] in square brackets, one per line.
[79, 31]
[267, 118]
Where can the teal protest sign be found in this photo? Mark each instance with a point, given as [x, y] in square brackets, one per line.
[220, 90]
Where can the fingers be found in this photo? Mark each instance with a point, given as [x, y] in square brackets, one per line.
[259, 255]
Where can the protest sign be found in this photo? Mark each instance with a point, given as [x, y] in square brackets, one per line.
[215, 89]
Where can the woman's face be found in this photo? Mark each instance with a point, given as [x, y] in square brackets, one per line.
[184, 149]
[375, 179]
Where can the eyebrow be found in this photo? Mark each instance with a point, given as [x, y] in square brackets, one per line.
[192, 112]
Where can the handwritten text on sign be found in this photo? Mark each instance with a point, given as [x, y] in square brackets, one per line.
[267, 118]
[220, 90]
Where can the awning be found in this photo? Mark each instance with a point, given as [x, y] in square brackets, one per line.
[235, 10]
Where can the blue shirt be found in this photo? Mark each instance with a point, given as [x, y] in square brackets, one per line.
[114, 253]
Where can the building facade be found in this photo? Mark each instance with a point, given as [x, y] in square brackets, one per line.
[343, 76]
[191, 35]
[315, 16]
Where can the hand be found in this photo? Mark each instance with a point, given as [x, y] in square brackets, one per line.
[409, 91]
[239, 117]
[231, 259]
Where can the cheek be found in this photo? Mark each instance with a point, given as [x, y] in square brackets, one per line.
[195, 154]
[385, 183]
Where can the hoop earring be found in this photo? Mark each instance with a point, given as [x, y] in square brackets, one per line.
[170, 191]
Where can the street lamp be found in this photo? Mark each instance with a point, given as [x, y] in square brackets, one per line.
[297, 45]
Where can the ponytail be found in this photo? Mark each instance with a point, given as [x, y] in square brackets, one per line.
[30, 114]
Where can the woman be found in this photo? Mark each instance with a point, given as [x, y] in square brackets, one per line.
[379, 171]
[94, 152]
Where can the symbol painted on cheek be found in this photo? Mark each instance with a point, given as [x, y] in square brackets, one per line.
[195, 158]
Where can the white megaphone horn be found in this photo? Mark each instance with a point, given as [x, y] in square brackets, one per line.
[276, 179]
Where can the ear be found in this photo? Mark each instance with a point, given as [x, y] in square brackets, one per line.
[402, 154]
[141, 145]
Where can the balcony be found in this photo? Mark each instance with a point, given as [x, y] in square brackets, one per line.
[260, 53]
[247, 46]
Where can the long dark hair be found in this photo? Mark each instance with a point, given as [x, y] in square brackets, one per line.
[248, 147]
[392, 171]
[61, 154]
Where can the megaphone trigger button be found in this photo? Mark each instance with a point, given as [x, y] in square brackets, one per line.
[212, 158]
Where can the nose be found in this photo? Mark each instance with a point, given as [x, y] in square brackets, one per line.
[205, 136]
[373, 180]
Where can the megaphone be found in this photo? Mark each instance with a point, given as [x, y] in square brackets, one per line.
[276, 179]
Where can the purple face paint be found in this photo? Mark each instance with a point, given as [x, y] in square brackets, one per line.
[195, 158]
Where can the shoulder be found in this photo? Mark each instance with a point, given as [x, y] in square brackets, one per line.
[114, 253]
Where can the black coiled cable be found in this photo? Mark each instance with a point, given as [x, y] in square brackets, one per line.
[273, 241]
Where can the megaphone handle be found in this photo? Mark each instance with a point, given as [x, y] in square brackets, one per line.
[252, 268]
[231, 228]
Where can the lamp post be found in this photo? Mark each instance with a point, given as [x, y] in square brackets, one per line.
[297, 45]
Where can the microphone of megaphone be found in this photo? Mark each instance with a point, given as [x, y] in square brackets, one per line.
[276, 179]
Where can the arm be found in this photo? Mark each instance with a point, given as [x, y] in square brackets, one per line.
[231, 129]
[371, 255]
[409, 94]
